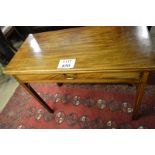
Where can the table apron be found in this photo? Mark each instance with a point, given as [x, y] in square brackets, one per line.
[120, 77]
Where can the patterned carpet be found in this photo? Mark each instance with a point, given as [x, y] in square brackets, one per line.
[91, 106]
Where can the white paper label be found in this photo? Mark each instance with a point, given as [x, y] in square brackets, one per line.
[66, 63]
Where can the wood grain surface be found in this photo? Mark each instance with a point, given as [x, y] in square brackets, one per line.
[126, 77]
[96, 49]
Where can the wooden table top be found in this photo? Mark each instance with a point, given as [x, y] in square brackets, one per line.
[107, 49]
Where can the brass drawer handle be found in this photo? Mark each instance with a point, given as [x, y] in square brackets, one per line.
[69, 77]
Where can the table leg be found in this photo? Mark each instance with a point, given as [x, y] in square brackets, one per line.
[139, 94]
[35, 95]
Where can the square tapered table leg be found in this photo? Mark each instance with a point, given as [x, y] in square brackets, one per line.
[31, 91]
[139, 94]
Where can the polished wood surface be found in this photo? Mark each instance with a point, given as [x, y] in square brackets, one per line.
[103, 55]
[94, 77]
[107, 49]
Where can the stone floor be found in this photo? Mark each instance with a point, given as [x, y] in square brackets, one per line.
[8, 86]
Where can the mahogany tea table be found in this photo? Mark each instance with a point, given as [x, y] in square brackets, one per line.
[85, 55]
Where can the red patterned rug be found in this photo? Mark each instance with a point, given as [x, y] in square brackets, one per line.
[88, 106]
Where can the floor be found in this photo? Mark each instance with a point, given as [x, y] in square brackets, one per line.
[8, 86]
[86, 106]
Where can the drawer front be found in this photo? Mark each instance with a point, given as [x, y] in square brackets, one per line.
[81, 77]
